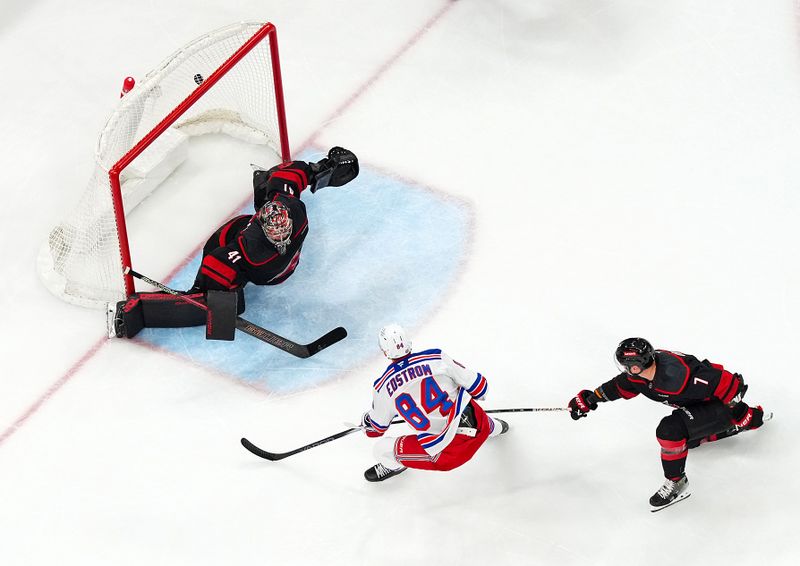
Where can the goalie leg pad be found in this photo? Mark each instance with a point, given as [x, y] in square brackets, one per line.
[162, 310]
[222, 312]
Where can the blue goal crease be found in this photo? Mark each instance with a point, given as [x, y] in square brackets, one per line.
[378, 250]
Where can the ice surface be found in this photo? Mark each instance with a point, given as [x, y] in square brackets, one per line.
[358, 271]
[600, 169]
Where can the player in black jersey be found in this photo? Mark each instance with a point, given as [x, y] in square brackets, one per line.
[707, 397]
[262, 248]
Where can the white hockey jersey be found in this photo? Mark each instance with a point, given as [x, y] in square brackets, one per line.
[430, 391]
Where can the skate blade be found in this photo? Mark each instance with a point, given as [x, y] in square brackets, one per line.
[681, 497]
[111, 310]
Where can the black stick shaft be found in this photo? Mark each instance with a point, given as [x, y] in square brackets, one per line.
[527, 410]
[261, 453]
[164, 288]
[281, 455]
[518, 410]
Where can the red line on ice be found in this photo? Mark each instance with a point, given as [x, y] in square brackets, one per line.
[51, 390]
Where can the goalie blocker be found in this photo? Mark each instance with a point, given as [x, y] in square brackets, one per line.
[162, 310]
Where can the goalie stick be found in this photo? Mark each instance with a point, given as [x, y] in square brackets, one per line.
[299, 350]
[274, 456]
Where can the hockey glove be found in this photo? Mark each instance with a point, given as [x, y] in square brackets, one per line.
[741, 389]
[370, 429]
[582, 403]
[746, 417]
[339, 168]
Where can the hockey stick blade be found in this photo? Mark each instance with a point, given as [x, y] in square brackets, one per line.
[274, 456]
[299, 350]
[261, 453]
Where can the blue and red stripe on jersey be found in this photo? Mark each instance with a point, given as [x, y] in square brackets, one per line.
[376, 425]
[404, 363]
[478, 387]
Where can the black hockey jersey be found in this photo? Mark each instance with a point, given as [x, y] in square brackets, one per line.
[680, 380]
[239, 252]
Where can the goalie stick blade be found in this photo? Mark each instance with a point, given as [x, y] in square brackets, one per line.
[329, 339]
[299, 350]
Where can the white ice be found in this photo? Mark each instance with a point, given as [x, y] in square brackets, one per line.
[632, 170]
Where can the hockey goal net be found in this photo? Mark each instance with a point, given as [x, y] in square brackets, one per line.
[227, 81]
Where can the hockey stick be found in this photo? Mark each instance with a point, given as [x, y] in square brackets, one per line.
[526, 410]
[299, 350]
[281, 455]
[274, 456]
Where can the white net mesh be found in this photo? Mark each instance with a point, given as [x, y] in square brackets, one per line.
[81, 261]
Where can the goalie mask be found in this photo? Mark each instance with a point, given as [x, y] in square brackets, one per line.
[277, 224]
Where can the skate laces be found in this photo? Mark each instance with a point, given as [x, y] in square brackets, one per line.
[382, 470]
[667, 489]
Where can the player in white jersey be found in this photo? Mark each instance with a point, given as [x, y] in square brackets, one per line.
[435, 395]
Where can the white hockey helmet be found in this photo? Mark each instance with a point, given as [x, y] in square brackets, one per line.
[394, 342]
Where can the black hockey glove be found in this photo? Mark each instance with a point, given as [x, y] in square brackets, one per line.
[748, 418]
[741, 389]
[582, 403]
[339, 168]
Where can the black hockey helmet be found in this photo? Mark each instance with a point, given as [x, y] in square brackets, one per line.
[634, 355]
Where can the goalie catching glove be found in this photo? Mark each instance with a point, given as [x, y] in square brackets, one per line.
[339, 168]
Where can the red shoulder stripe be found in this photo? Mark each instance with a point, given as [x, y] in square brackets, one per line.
[218, 271]
[224, 232]
[625, 394]
[294, 176]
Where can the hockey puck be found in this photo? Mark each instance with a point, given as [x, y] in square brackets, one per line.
[198, 78]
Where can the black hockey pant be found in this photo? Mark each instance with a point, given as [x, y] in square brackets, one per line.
[688, 427]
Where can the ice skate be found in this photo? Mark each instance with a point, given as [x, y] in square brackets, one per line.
[379, 472]
[669, 493]
[114, 323]
[503, 425]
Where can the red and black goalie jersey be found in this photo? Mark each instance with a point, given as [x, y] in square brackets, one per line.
[680, 380]
[241, 251]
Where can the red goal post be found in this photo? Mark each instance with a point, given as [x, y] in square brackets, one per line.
[227, 81]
